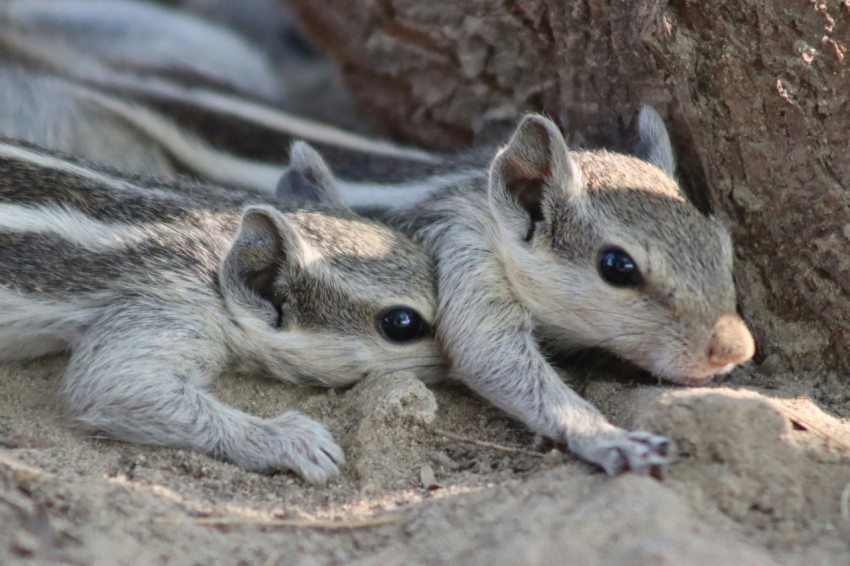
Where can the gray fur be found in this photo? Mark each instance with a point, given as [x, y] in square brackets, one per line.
[307, 180]
[155, 288]
[143, 38]
[654, 141]
[45, 109]
[80, 85]
[266, 23]
[517, 259]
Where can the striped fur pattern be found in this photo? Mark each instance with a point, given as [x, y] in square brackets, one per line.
[79, 86]
[155, 288]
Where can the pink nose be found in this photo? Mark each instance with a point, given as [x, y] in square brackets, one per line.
[731, 342]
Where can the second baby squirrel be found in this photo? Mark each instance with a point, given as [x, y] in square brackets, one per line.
[155, 288]
[583, 249]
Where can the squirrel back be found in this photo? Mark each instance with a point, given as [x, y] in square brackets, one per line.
[88, 239]
[76, 85]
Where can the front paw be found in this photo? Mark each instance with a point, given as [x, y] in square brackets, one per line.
[619, 450]
[295, 442]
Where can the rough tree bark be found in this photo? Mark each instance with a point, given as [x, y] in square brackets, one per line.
[757, 94]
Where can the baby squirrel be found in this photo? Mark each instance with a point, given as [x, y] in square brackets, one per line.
[584, 249]
[155, 288]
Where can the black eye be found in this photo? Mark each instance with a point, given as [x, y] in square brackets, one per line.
[618, 268]
[402, 325]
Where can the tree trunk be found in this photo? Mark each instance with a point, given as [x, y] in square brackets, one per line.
[756, 94]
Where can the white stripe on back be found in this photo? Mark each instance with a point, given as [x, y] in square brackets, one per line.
[267, 116]
[67, 223]
[263, 177]
[46, 161]
[399, 195]
[190, 151]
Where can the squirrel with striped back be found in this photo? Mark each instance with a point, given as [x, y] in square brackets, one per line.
[155, 288]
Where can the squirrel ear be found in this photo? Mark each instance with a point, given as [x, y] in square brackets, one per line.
[308, 180]
[654, 141]
[535, 162]
[265, 246]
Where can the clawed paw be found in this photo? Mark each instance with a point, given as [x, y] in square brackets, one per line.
[295, 442]
[620, 451]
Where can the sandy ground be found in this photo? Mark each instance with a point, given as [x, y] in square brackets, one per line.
[759, 479]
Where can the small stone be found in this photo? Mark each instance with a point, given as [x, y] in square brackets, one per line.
[428, 478]
[553, 458]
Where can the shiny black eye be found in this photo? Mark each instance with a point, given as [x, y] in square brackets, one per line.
[401, 324]
[618, 268]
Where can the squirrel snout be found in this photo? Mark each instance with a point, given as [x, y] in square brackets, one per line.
[731, 342]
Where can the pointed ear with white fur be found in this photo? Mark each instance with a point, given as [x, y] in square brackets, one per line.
[266, 246]
[535, 163]
[654, 141]
[308, 180]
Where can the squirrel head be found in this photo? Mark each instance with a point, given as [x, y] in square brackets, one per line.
[352, 295]
[606, 251]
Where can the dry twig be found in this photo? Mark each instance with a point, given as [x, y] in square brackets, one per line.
[484, 443]
[286, 523]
